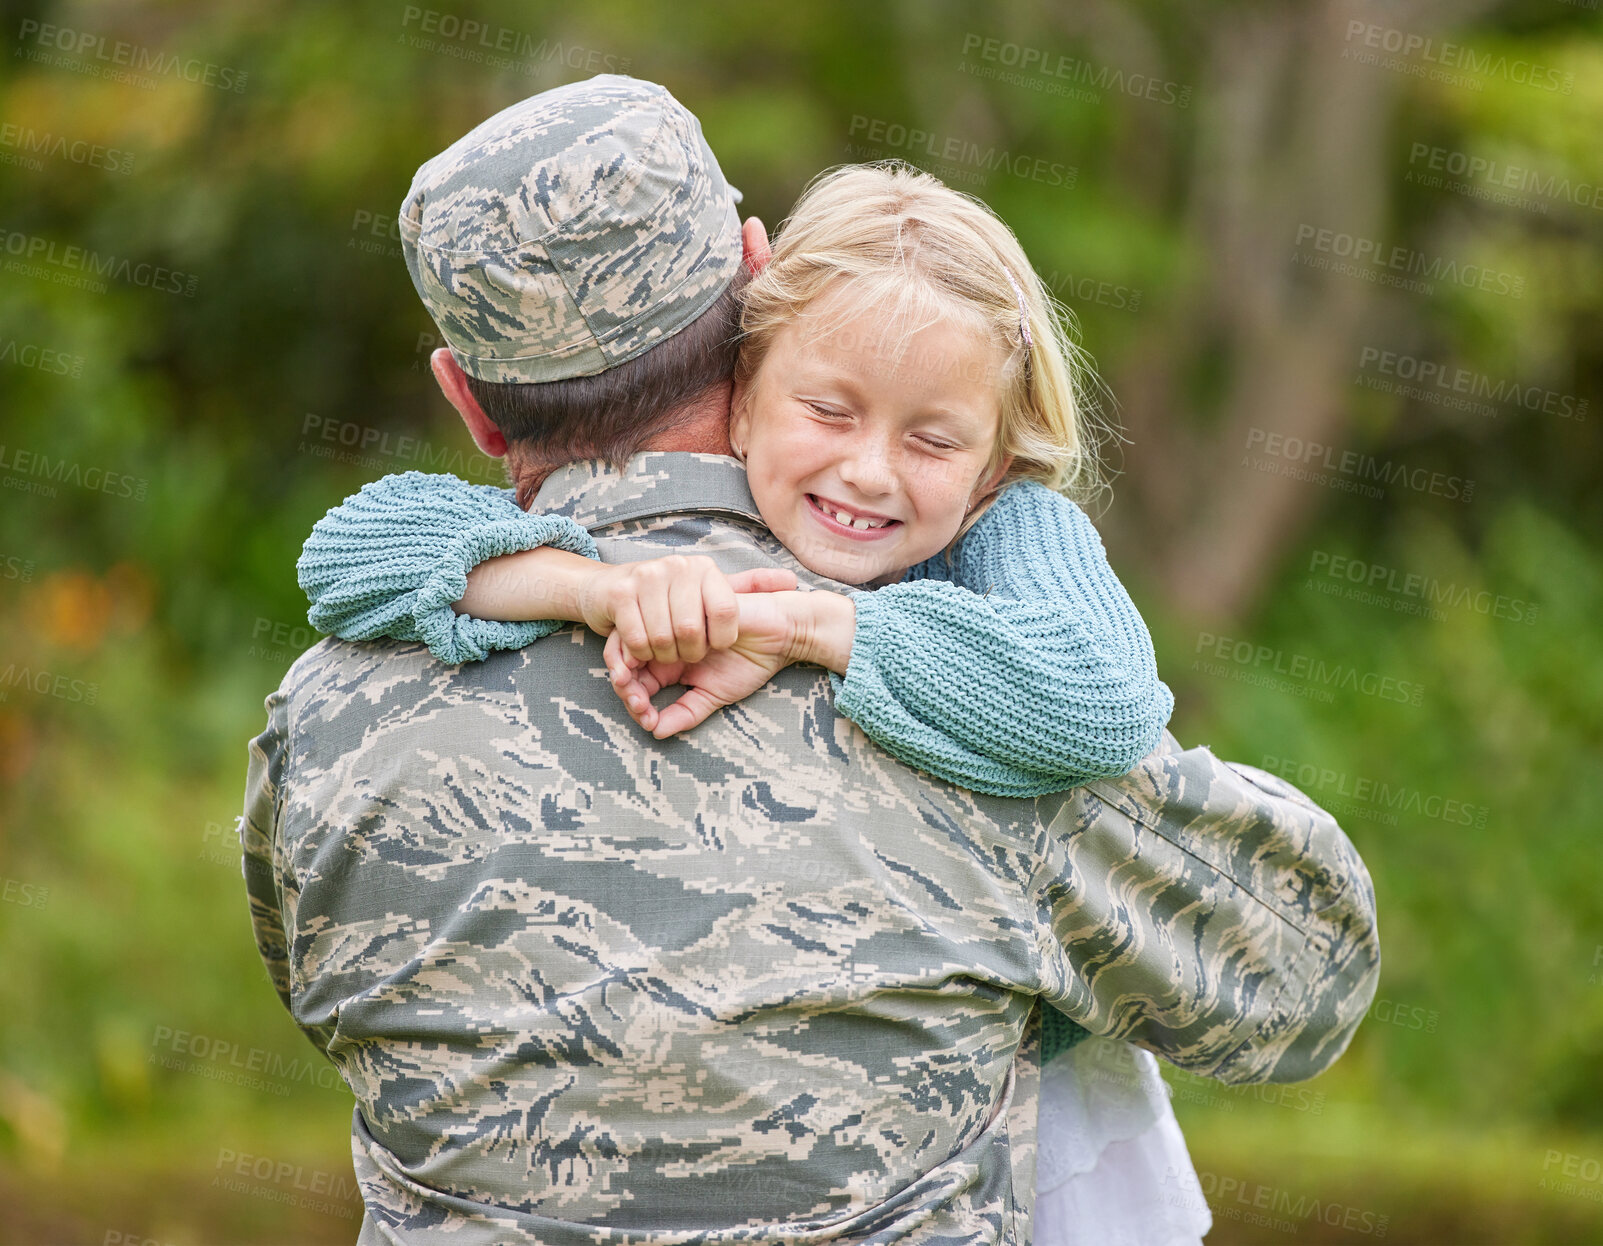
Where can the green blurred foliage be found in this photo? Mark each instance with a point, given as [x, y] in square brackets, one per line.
[170, 616]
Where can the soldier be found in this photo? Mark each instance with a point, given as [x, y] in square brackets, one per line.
[760, 981]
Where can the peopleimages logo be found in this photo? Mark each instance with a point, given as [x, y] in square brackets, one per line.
[1445, 55]
[43, 358]
[1427, 589]
[368, 446]
[1496, 181]
[68, 264]
[1324, 782]
[1275, 1207]
[1404, 1016]
[23, 894]
[952, 151]
[118, 60]
[223, 1060]
[379, 233]
[45, 684]
[1358, 468]
[1578, 1175]
[19, 467]
[1083, 289]
[1442, 384]
[1297, 673]
[259, 1176]
[1048, 73]
[1396, 265]
[496, 46]
[25, 144]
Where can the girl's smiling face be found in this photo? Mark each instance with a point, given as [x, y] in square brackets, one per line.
[864, 461]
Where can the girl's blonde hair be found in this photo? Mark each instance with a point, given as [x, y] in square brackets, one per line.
[909, 243]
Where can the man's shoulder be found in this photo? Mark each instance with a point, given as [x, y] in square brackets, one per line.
[393, 673]
[736, 542]
[552, 700]
[332, 657]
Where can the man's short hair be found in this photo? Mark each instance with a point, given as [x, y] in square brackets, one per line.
[613, 414]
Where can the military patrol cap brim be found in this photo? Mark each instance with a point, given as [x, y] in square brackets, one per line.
[571, 232]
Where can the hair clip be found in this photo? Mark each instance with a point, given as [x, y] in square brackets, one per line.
[1024, 311]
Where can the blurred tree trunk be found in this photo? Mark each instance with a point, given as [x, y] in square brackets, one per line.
[1300, 137]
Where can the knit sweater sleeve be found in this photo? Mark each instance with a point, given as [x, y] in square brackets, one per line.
[1017, 668]
[390, 560]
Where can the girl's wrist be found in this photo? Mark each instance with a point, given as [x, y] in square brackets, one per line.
[826, 624]
[540, 583]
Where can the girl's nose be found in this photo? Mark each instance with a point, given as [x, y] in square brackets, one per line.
[870, 467]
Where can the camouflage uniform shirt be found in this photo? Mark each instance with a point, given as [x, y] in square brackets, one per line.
[759, 982]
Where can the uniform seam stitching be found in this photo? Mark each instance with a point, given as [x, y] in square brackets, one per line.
[1153, 822]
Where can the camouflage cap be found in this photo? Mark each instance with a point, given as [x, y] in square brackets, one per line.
[571, 232]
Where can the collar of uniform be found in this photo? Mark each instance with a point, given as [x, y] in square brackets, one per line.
[653, 482]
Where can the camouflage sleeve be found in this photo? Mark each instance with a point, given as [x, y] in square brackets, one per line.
[1210, 912]
[259, 842]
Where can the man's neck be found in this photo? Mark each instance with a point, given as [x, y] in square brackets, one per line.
[700, 426]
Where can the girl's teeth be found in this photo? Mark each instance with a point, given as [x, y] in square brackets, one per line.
[848, 521]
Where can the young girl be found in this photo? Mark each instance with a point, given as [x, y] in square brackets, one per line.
[906, 406]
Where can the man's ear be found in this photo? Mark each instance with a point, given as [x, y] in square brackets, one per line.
[754, 245]
[454, 385]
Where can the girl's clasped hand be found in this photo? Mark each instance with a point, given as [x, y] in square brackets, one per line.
[681, 620]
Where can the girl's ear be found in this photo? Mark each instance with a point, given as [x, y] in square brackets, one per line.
[989, 485]
[739, 417]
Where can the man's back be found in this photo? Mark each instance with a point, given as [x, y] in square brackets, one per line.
[669, 985]
[757, 980]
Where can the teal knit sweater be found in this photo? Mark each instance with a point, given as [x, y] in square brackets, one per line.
[1016, 668]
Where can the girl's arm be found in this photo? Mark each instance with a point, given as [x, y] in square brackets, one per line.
[463, 569]
[1030, 671]
[392, 559]
[1045, 683]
